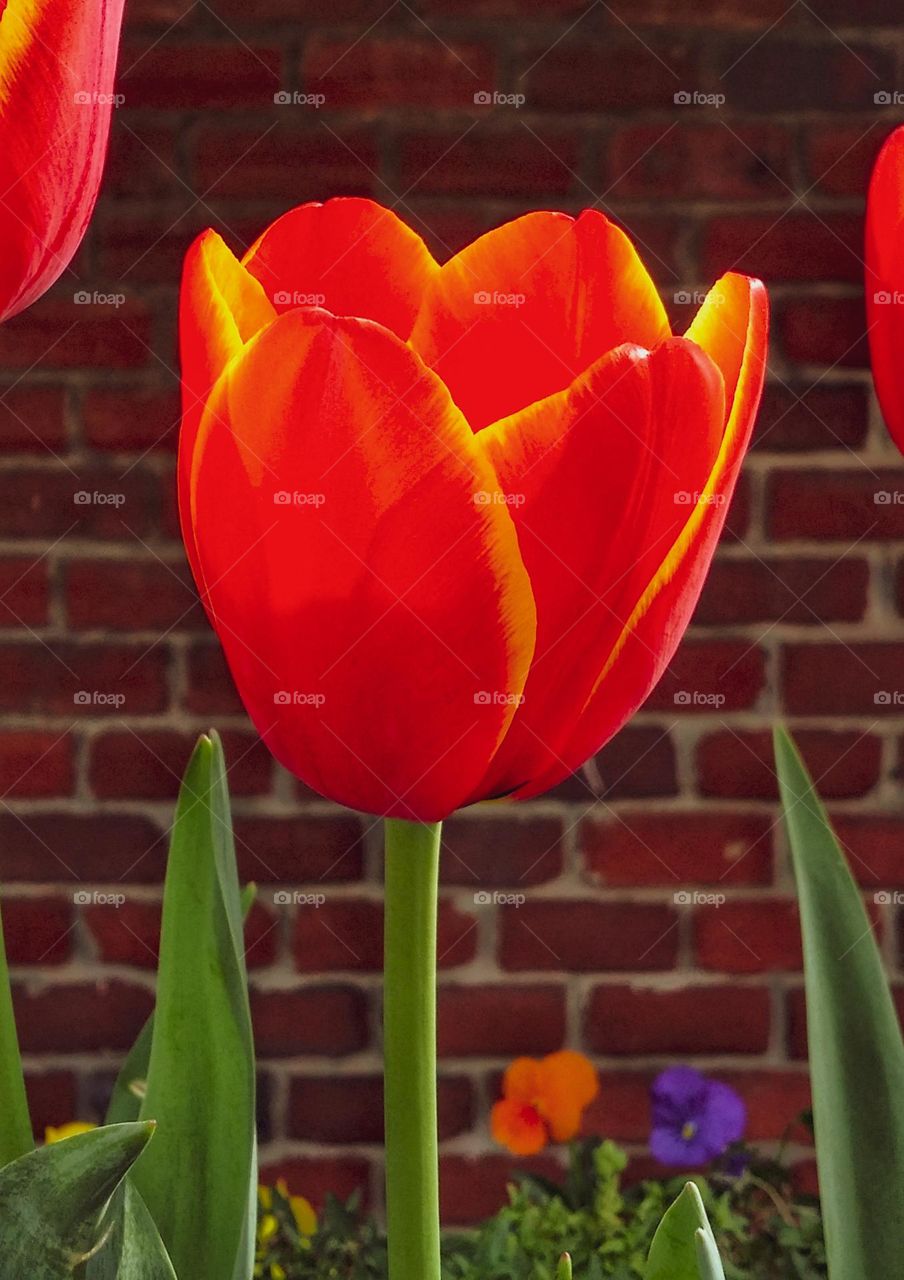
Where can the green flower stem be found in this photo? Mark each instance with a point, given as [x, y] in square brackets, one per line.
[409, 1048]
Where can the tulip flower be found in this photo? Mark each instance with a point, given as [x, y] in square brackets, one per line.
[449, 523]
[57, 61]
[885, 281]
[543, 1100]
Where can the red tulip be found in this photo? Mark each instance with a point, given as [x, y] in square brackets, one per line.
[57, 61]
[885, 280]
[450, 522]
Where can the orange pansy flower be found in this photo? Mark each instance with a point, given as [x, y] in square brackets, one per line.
[543, 1100]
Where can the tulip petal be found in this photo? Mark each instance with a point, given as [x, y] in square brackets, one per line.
[884, 281]
[518, 1126]
[361, 571]
[735, 333]
[622, 450]
[350, 256]
[221, 306]
[57, 62]
[521, 312]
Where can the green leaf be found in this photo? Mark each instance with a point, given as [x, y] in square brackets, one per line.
[134, 1250]
[674, 1251]
[709, 1264]
[15, 1123]
[200, 1081]
[51, 1200]
[131, 1083]
[856, 1051]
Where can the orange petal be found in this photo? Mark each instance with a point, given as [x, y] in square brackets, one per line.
[350, 256]
[884, 281]
[735, 333]
[522, 1079]
[518, 1126]
[614, 452]
[377, 618]
[568, 1083]
[521, 312]
[57, 62]
[221, 307]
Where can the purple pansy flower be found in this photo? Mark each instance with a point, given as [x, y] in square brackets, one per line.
[694, 1119]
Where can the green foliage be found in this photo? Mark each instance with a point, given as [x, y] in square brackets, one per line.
[763, 1232]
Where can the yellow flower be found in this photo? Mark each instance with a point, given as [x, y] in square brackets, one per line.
[70, 1130]
[302, 1210]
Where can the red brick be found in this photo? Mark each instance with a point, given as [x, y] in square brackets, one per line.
[824, 331]
[83, 680]
[691, 1020]
[621, 1110]
[329, 1020]
[473, 1189]
[150, 764]
[254, 12]
[131, 595]
[716, 676]
[639, 761]
[676, 849]
[142, 163]
[487, 161]
[874, 847]
[90, 503]
[350, 1108]
[757, 936]
[178, 77]
[477, 852]
[741, 765]
[32, 419]
[396, 71]
[23, 592]
[622, 74]
[502, 8]
[59, 333]
[33, 763]
[131, 418]
[728, 13]
[300, 849]
[317, 1177]
[780, 74]
[160, 13]
[209, 689]
[798, 420]
[347, 934]
[38, 931]
[775, 248]
[72, 848]
[503, 1021]
[587, 937]
[840, 159]
[775, 589]
[128, 933]
[52, 1099]
[836, 505]
[775, 1101]
[81, 1017]
[834, 679]
[699, 161]
[291, 164]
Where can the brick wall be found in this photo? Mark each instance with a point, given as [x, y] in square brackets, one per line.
[801, 615]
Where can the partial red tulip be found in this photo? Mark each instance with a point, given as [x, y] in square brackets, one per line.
[57, 62]
[450, 522]
[885, 281]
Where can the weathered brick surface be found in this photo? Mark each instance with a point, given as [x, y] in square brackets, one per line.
[644, 909]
